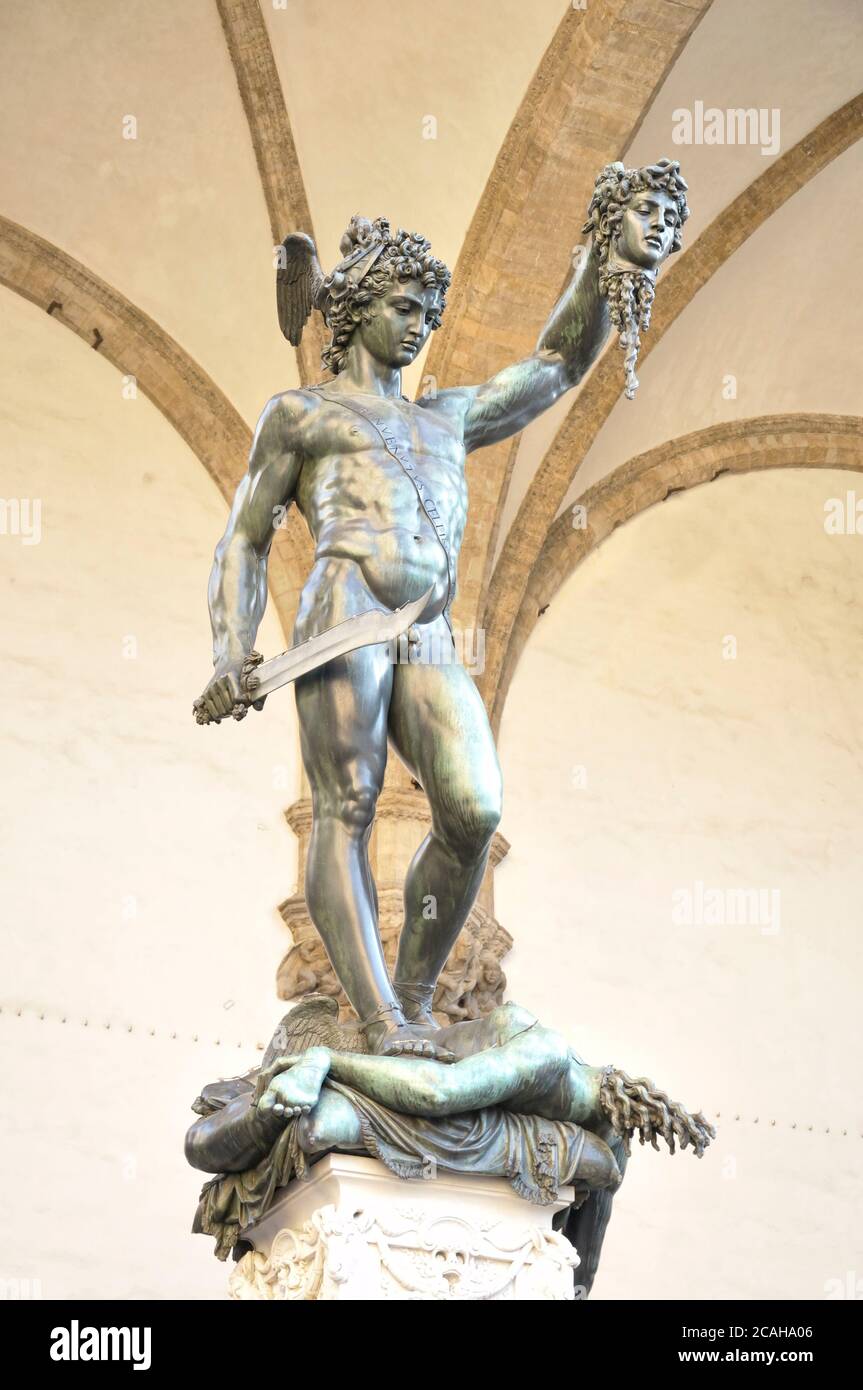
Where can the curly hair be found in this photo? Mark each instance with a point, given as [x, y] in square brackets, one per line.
[630, 293]
[406, 256]
[638, 1105]
[614, 190]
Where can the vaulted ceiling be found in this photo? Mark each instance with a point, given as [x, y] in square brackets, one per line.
[482, 126]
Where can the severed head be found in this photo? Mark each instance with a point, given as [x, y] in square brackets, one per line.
[636, 218]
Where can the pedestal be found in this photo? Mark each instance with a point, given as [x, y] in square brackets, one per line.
[355, 1231]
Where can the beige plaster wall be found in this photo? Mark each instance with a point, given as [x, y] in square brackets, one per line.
[772, 316]
[639, 761]
[142, 856]
[772, 331]
[175, 217]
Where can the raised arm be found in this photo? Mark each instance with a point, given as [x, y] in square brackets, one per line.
[634, 220]
[568, 345]
[238, 581]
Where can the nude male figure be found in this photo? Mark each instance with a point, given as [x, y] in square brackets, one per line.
[326, 450]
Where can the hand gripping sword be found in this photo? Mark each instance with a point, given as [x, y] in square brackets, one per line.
[259, 678]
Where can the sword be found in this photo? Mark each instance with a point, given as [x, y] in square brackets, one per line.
[260, 678]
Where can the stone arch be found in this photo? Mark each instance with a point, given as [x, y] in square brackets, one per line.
[595, 401]
[742, 446]
[275, 151]
[139, 347]
[575, 116]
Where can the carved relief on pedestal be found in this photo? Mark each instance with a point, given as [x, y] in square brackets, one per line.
[406, 1253]
[472, 982]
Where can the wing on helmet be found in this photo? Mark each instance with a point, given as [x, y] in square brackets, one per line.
[298, 279]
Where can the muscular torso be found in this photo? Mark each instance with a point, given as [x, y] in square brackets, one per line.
[362, 507]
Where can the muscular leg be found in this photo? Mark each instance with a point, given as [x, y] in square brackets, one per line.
[342, 709]
[439, 728]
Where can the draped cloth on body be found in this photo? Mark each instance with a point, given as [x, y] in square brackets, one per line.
[536, 1155]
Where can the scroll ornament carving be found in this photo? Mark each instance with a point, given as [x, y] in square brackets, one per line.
[407, 1254]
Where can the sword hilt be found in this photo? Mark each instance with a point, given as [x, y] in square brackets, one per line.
[249, 681]
[249, 684]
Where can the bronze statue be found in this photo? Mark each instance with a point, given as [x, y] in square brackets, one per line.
[517, 1103]
[380, 482]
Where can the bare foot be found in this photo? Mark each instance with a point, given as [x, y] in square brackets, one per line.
[296, 1091]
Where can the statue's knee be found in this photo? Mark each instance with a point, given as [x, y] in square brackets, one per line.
[358, 806]
[488, 819]
[469, 832]
[355, 806]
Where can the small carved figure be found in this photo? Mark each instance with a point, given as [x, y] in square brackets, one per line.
[306, 970]
[457, 982]
[490, 985]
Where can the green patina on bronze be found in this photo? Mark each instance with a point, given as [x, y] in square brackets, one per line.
[380, 480]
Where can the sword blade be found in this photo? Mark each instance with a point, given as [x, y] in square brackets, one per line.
[362, 630]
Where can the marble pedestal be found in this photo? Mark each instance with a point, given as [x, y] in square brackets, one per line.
[355, 1231]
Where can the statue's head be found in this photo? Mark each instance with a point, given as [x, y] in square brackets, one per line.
[637, 215]
[492, 974]
[389, 291]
